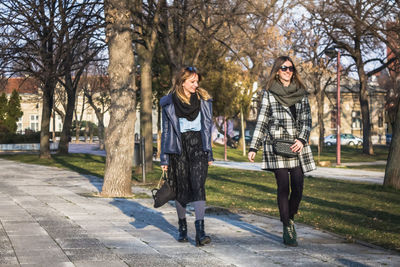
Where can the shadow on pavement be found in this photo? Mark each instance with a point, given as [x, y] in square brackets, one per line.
[144, 216]
[351, 263]
[92, 177]
[236, 220]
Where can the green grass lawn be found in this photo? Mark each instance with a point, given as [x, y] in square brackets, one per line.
[355, 210]
[351, 154]
[374, 167]
[348, 154]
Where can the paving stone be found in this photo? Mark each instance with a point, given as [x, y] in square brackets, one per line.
[32, 242]
[139, 260]
[77, 243]
[42, 256]
[24, 229]
[46, 264]
[7, 254]
[100, 264]
[92, 254]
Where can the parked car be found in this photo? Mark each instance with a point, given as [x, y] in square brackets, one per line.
[345, 139]
[229, 142]
[247, 139]
[388, 139]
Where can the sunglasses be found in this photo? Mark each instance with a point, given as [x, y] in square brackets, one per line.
[285, 68]
[191, 69]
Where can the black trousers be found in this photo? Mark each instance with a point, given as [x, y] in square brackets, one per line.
[189, 169]
[288, 203]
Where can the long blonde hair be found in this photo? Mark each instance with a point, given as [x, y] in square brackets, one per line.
[274, 73]
[183, 75]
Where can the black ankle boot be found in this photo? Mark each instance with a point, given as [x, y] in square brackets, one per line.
[182, 230]
[201, 237]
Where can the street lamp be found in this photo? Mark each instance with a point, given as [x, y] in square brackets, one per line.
[332, 52]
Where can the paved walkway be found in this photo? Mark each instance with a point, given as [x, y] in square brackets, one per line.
[322, 172]
[47, 218]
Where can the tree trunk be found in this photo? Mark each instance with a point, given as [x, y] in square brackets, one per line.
[119, 139]
[90, 135]
[366, 123]
[392, 172]
[100, 119]
[78, 121]
[86, 132]
[48, 92]
[101, 136]
[66, 130]
[320, 103]
[77, 131]
[146, 94]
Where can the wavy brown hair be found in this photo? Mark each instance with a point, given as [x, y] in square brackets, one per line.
[274, 73]
[183, 75]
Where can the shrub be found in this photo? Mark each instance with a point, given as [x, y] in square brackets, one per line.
[12, 138]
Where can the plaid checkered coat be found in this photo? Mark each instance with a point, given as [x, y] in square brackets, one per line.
[277, 120]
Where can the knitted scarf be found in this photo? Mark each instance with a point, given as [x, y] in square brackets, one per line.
[287, 96]
[184, 110]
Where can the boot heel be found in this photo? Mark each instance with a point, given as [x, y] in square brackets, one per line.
[202, 242]
[198, 243]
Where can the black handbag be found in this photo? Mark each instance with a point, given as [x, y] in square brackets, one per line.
[165, 193]
[281, 147]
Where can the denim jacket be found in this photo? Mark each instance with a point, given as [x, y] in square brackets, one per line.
[171, 134]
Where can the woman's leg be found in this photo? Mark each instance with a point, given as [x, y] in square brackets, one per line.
[296, 185]
[282, 181]
[180, 210]
[178, 172]
[182, 237]
[198, 168]
[199, 209]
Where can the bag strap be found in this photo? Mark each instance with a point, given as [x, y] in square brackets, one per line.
[279, 124]
[164, 176]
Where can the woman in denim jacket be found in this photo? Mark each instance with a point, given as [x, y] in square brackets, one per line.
[186, 147]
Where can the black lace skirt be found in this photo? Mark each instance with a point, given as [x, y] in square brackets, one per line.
[189, 170]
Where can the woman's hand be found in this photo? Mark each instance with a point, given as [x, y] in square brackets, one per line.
[164, 167]
[251, 156]
[209, 163]
[297, 146]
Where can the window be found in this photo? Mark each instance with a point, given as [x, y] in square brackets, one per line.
[58, 123]
[19, 125]
[34, 123]
[380, 120]
[356, 119]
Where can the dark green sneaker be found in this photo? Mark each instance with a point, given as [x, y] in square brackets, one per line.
[288, 237]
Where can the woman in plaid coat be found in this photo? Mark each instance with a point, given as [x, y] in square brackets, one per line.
[285, 114]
